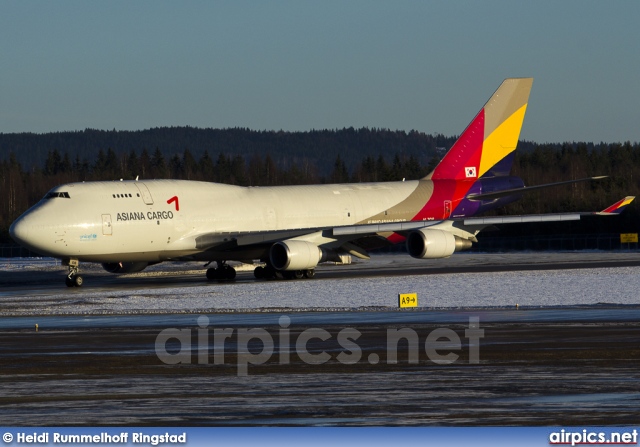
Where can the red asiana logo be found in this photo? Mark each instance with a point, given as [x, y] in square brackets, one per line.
[174, 199]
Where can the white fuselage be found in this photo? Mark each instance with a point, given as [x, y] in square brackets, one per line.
[158, 220]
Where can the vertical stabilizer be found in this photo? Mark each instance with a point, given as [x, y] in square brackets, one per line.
[486, 146]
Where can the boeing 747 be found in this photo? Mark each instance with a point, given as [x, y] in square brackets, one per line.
[128, 225]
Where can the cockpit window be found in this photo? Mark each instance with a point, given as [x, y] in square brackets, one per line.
[53, 195]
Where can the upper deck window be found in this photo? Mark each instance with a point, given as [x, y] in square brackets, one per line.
[53, 195]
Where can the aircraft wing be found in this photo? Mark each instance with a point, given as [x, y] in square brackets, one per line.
[466, 228]
[478, 223]
[230, 240]
[526, 189]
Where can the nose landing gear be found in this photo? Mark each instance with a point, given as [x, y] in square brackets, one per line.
[73, 279]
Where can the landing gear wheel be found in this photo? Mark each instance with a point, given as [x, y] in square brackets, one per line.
[309, 274]
[298, 274]
[73, 279]
[266, 272]
[222, 273]
[269, 272]
[77, 281]
[228, 273]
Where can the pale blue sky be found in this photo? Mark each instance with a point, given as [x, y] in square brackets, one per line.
[300, 65]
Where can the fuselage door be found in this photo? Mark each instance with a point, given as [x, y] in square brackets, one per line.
[144, 192]
[447, 209]
[107, 229]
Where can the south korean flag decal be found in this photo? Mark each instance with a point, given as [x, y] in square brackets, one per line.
[470, 172]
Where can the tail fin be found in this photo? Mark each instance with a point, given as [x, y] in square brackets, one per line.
[486, 146]
[617, 207]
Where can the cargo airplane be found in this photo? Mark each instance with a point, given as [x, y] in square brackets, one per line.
[128, 225]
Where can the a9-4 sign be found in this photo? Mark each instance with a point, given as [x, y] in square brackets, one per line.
[407, 300]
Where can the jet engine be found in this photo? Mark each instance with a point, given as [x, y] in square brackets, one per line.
[124, 267]
[432, 244]
[294, 255]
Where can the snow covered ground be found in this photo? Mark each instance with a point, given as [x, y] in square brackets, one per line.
[620, 285]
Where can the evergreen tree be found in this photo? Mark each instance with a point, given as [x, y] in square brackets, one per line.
[65, 166]
[256, 171]
[145, 164]
[383, 173]
[53, 163]
[367, 171]
[158, 166]
[412, 169]
[396, 169]
[238, 171]
[176, 168]
[223, 169]
[271, 175]
[206, 167]
[112, 166]
[100, 166]
[133, 165]
[340, 173]
[189, 165]
[433, 162]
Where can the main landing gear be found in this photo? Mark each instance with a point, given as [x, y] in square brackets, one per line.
[222, 272]
[268, 272]
[73, 279]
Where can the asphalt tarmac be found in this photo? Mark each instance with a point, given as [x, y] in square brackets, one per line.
[50, 277]
[527, 373]
[561, 365]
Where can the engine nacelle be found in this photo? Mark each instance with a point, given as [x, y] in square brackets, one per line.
[432, 244]
[124, 267]
[294, 255]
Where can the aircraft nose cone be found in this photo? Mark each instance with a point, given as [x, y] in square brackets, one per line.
[19, 231]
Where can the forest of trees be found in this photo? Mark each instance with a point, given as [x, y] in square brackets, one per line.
[317, 147]
[24, 180]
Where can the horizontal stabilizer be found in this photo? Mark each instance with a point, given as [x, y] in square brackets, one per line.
[526, 189]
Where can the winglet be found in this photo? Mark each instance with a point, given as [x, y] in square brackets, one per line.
[617, 207]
